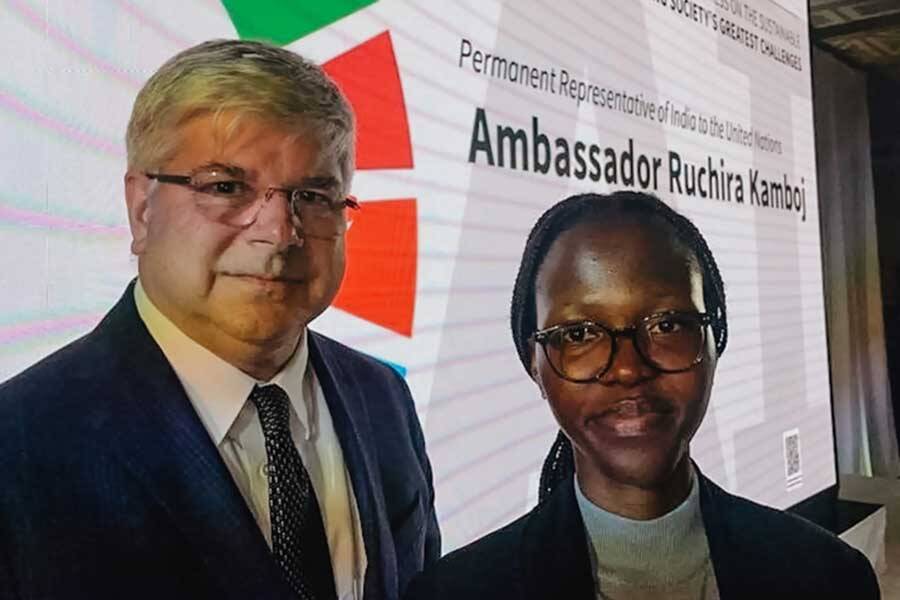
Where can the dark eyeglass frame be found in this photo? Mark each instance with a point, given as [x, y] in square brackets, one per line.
[542, 337]
[349, 201]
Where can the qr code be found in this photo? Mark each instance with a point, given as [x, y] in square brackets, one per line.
[793, 471]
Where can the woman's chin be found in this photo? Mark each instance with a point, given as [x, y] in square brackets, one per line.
[645, 468]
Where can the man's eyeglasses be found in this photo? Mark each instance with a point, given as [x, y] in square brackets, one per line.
[226, 198]
[671, 342]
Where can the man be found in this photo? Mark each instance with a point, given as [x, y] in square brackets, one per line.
[202, 442]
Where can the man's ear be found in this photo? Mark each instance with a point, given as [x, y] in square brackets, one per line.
[137, 188]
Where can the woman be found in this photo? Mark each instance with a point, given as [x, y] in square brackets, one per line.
[618, 315]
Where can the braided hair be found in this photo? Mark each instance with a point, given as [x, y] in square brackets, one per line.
[565, 215]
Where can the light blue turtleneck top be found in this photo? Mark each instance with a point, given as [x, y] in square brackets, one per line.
[667, 557]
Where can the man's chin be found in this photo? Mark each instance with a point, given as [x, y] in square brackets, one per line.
[261, 327]
[259, 311]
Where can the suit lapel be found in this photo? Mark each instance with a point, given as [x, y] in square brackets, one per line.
[159, 437]
[555, 557]
[735, 578]
[345, 397]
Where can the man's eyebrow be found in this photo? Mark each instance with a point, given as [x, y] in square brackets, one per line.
[232, 170]
[327, 182]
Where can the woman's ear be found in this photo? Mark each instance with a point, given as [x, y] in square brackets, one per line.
[533, 369]
[532, 362]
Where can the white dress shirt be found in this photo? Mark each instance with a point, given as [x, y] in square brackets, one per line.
[219, 393]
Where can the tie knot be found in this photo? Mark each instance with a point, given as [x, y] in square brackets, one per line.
[273, 406]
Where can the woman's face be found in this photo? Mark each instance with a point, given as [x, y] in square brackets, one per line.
[632, 425]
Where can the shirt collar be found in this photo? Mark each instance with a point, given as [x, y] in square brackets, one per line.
[217, 389]
[663, 549]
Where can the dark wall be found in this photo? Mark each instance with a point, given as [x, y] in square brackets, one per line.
[884, 119]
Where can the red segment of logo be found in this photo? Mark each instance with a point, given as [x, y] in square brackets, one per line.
[369, 77]
[382, 243]
[380, 281]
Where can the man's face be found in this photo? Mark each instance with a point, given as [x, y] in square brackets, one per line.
[259, 284]
[634, 424]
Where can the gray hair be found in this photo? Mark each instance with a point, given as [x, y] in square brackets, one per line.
[245, 78]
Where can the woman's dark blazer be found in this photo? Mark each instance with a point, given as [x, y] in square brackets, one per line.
[757, 552]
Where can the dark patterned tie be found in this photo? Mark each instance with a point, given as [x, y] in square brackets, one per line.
[298, 536]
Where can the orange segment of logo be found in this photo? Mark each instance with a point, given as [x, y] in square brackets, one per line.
[380, 281]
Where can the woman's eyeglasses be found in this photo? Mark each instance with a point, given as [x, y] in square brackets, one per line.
[583, 352]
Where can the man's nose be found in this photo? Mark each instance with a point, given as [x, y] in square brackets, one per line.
[275, 222]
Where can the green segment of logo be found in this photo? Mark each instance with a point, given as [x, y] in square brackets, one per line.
[284, 21]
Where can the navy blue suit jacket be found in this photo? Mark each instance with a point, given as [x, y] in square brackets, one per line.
[110, 487]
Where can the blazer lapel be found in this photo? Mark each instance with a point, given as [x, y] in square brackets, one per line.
[555, 557]
[734, 578]
[345, 397]
[159, 437]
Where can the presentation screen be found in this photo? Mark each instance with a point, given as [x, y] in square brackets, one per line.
[474, 117]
